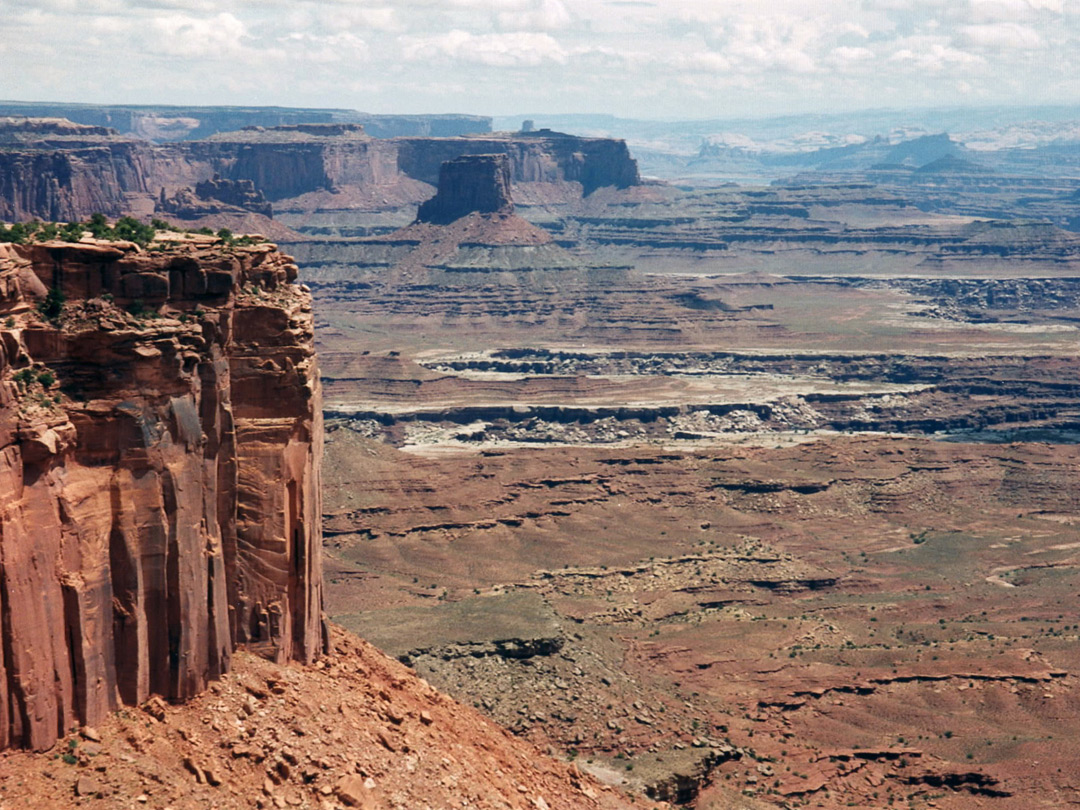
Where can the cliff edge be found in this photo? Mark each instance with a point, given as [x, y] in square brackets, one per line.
[55, 170]
[160, 452]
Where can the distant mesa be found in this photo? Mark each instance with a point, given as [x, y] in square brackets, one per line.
[468, 184]
[292, 132]
[951, 164]
[923, 151]
[66, 171]
[18, 128]
[169, 123]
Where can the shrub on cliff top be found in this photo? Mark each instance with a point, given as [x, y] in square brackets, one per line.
[17, 233]
[126, 228]
[132, 230]
[72, 232]
[98, 226]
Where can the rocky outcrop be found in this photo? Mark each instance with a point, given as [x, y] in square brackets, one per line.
[475, 183]
[215, 197]
[160, 450]
[241, 193]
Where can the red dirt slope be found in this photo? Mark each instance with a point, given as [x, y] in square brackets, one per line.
[356, 730]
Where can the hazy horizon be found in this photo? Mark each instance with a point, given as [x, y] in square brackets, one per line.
[668, 60]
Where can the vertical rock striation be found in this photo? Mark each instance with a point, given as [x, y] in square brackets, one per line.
[471, 183]
[159, 475]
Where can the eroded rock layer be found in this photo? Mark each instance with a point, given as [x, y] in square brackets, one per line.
[53, 169]
[160, 448]
[466, 184]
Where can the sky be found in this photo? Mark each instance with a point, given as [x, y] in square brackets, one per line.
[674, 59]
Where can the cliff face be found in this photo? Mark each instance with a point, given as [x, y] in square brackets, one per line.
[56, 170]
[479, 183]
[537, 157]
[60, 175]
[159, 476]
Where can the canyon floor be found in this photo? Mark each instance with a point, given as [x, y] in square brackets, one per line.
[735, 534]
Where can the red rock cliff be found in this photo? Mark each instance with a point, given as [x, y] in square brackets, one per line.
[61, 171]
[479, 183]
[159, 475]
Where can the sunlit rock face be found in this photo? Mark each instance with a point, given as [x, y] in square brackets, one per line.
[160, 451]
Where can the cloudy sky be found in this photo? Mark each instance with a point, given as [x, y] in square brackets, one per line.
[633, 58]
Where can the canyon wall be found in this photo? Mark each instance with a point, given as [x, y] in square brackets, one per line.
[536, 157]
[160, 451]
[52, 169]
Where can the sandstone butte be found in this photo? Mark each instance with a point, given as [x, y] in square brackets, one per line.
[160, 449]
[468, 184]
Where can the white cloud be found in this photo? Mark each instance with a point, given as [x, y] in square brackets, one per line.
[935, 55]
[845, 56]
[199, 37]
[703, 62]
[541, 15]
[494, 50]
[379, 18]
[343, 47]
[782, 43]
[686, 58]
[1014, 10]
[1002, 35]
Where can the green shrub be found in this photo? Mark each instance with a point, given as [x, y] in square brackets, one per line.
[98, 226]
[53, 305]
[17, 233]
[132, 230]
[72, 232]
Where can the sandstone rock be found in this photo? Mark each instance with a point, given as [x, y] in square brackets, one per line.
[155, 707]
[107, 172]
[169, 514]
[353, 791]
[86, 785]
[473, 183]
